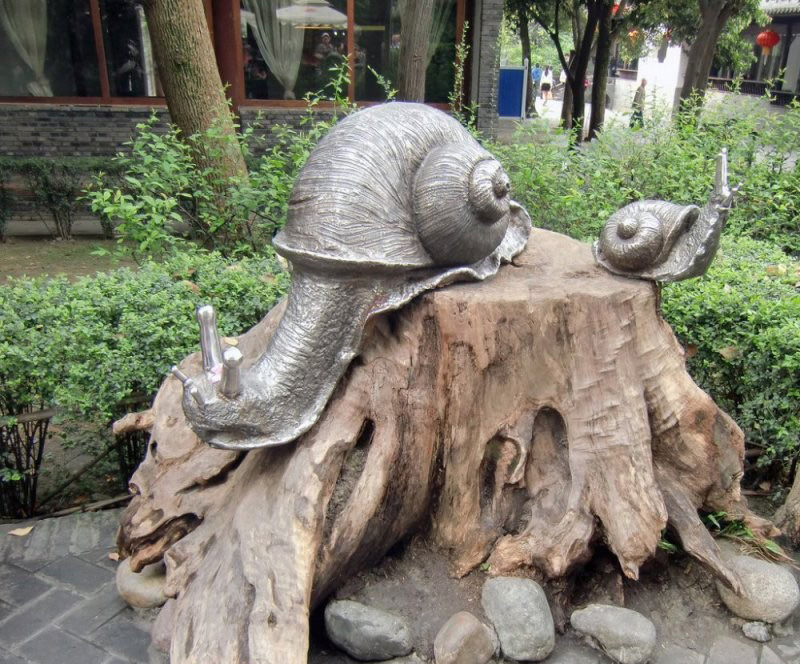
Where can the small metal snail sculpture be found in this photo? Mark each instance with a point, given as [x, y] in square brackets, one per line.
[397, 199]
[664, 241]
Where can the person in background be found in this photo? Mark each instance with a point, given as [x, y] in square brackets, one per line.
[547, 84]
[536, 81]
[637, 117]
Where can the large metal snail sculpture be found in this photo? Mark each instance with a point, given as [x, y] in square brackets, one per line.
[396, 199]
[664, 241]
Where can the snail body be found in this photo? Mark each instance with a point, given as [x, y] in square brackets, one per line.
[395, 200]
[664, 241]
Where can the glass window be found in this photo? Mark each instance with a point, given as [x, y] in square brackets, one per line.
[378, 35]
[292, 49]
[129, 53]
[47, 49]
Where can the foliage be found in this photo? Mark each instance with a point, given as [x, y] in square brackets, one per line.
[543, 51]
[722, 524]
[741, 328]
[741, 323]
[162, 201]
[86, 346]
[465, 113]
[54, 184]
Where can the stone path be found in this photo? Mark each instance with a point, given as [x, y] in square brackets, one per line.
[58, 600]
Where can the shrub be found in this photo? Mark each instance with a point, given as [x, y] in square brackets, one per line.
[574, 191]
[55, 185]
[89, 345]
[740, 325]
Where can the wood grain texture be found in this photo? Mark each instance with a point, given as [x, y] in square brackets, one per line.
[516, 421]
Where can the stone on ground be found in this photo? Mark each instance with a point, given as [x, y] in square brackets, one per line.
[769, 591]
[625, 636]
[573, 654]
[674, 654]
[365, 632]
[518, 610]
[726, 650]
[756, 631]
[145, 589]
[463, 639]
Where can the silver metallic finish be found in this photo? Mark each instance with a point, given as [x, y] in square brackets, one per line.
[210, 345]
[230, 385]
[664, 241]
[396, 200]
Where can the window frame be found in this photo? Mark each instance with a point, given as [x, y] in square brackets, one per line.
[225, 16]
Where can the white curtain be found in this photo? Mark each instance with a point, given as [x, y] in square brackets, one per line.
[25, 23]
[441, 16]
[280, 44]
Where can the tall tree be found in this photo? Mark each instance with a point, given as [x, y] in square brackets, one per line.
[417, 19]
[192, 86]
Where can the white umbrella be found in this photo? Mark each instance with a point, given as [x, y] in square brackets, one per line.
[311, 13]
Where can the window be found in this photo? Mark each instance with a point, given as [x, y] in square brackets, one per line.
[291, 46]
[47, 49]
[129, 54]
[290, 49]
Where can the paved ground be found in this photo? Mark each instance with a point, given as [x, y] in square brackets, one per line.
[58, 600]
[59, 605]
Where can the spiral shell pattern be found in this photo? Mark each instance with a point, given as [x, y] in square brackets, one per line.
[632, 239]
[461, 202]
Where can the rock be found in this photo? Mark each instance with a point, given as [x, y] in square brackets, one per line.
[768, 656]
[145, 589]
[756, 631]
[674, 654]
[521, 617]
[365, 632]
[769, 591]
[572, 654]
[625, 636]
[161, 632]
[726, 650]
[413, 658]
[785, 628]
[463, 639]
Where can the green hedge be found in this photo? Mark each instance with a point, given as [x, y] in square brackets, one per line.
[740, 325]
[86, 346]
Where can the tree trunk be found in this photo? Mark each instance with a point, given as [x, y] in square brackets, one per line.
[188, 72]
[413, 58]
[787, 518]
[601, 62]
[525, 40]
[714, 15]
[518, 421]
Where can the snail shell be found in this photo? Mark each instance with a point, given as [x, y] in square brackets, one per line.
[641, 235]
[393, 188]
[461, 202]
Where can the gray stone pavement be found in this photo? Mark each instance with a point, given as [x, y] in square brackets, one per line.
[58, 600]
[59, 605]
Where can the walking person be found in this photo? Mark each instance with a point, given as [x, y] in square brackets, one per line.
[547, 84]
[536, 81]
[637, 117]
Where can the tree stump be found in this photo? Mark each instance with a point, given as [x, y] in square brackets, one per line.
[516, 421]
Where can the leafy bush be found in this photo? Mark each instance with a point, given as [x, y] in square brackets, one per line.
[161, 199]
[55, 185]
[740, 326]
[87, 346]
[574, 191]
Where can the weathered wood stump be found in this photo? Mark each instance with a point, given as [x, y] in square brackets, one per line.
[516, 421]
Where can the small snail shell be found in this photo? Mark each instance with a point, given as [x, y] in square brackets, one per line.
[641, 235]
[461, 202]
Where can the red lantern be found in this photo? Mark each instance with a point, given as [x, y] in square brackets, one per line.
[767, 40]
[615, 9]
